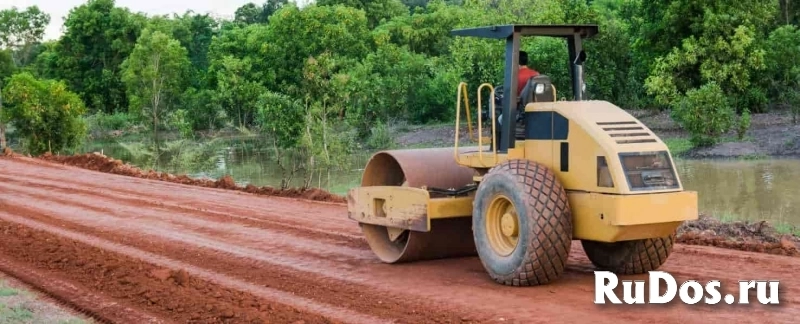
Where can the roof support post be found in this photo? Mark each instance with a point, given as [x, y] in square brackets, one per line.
[510, 93]
[576, 66]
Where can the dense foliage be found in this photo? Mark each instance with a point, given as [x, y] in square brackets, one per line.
[45, 112]
[316, 77]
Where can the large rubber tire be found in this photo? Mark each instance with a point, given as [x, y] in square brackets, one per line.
[544, 224]
[629, 257]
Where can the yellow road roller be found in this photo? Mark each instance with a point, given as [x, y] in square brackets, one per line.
[562, 170]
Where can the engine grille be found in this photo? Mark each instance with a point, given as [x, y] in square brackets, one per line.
[627, 132]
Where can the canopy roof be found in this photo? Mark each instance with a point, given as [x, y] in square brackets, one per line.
[504, 31]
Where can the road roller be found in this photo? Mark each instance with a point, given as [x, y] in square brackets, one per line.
[558, 171]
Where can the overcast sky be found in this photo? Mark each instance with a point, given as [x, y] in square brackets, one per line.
[58, 9]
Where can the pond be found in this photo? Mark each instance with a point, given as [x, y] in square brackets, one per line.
[730, 190]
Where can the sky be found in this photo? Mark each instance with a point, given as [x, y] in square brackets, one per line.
[58, 9]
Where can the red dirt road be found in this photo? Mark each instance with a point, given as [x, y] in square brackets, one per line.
[130, 250]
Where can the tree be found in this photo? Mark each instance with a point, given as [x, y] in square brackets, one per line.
[21, 31]
[250, 13]
[155, 75]
[251, 44]
[783, 68]
[295, 35]
[377, 11]
[44, 112]
[237, 94]
[98, 37]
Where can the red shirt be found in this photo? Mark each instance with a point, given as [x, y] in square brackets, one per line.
[525, 73]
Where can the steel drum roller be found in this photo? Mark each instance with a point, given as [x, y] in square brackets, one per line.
[434, 168]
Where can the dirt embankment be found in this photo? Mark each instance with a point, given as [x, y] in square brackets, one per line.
[745, 236]
[770, 134]
[706, 231]
[102, 163]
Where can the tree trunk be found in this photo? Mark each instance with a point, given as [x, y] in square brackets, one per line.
[785, 10]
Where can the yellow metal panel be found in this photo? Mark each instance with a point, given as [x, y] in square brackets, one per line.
[400, 207]
[449, 207]
[595, 129]
[652, 208]
[610, 218]
[403, 207]
[540, 152]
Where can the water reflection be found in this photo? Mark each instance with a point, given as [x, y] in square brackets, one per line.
[746, 190]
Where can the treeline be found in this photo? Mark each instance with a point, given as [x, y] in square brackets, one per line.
[320, 76]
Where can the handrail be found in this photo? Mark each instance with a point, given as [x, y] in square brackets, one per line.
[462, 88]
[480, 123]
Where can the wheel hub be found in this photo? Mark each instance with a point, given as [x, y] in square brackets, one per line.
[502, 225]
[508, 224]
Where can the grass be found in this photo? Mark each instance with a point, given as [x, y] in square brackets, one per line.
[781, 228]
[6, 292]
[341, 187]
[18, 306]
[678, 146]
[16, 314]
[790, 229]
[753, 157]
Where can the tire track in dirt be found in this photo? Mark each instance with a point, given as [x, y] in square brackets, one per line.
[186, 196]
[89, 208]
[280, 254]
[81, 300]
[199, 211]
[455, 283]
[207, 285]
[230, 258]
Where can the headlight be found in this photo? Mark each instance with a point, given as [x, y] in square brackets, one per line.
[540, 88]
[648, 171]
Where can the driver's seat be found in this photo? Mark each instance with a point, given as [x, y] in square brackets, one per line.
[529, 95]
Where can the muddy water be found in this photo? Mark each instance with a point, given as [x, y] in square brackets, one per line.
[742, 190]
[749, 190]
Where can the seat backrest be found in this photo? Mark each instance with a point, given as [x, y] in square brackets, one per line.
[547, 95]
[529, 95]
[526, 95]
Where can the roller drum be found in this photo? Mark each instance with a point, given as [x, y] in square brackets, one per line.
[434, 168]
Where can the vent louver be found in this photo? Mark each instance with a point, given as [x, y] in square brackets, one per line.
[627, 132]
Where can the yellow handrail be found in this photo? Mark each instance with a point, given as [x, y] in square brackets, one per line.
[462, 87]
[480, 124]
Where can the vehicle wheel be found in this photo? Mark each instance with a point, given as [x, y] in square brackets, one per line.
[522, 224]
[629, 257]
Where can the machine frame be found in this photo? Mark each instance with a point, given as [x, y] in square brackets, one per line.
[583, 169]
[574, 35]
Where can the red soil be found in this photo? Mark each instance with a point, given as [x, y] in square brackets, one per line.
[134, 250]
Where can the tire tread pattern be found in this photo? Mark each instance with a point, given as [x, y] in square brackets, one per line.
[630, 257]
[648, 255]
[551, 220]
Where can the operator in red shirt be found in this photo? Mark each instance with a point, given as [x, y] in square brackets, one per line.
[525, 72]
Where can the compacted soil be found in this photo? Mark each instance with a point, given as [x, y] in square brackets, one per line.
[130, 249]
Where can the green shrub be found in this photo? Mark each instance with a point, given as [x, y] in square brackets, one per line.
[110, 122]
[744, 124]
[380, 137]
[45, 113]
[705, 113]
